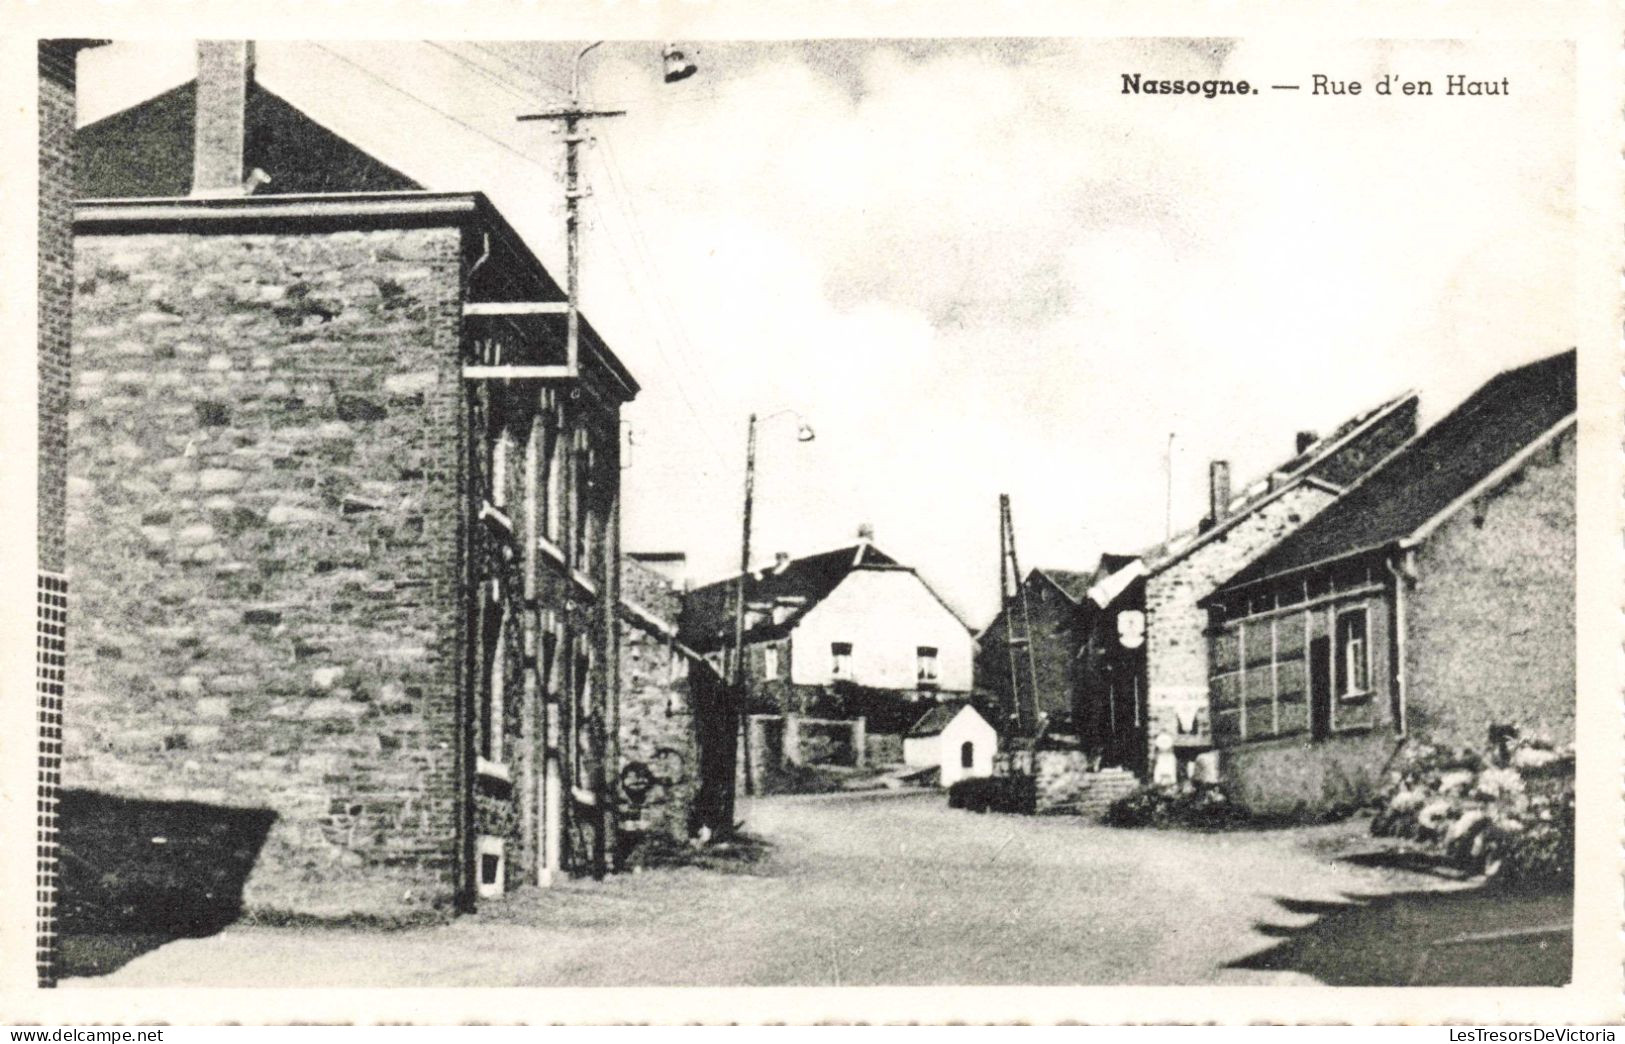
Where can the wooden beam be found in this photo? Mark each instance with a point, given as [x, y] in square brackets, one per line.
[512, 373]
[511, 308]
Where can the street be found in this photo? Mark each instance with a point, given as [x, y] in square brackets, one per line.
[869, 889]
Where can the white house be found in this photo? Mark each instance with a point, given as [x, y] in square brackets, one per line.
[955, 738]
[849, 619]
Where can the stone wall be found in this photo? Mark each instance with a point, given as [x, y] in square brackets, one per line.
[1064, 783]
[264, 512]
[1176, 645]
[883, 749]
[661, 768]
[1298, 775]
[1490, 622]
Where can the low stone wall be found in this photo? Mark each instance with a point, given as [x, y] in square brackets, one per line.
[1065, 784]
[824, 741]
[883, 749]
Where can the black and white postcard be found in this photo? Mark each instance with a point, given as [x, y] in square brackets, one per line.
[754, 512]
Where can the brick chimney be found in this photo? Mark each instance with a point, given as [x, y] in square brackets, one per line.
[1218, 490]
[225, 69]
[1306, 439]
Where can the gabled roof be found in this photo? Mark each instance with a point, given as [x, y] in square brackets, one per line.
[1069, 582]
[707, 619]
[1430, 474]
[938, 718]
[146, 151]
[1299, 469]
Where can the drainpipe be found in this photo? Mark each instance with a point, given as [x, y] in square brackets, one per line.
[1402, 569]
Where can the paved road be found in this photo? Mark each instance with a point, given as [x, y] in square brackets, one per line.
[860, 890]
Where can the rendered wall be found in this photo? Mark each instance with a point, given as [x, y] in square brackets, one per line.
[885, 614]
[1490, 624]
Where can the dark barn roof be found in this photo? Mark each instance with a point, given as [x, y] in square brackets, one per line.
[1436, 468]
[146, 151]
[707, 619]
[1073, 584]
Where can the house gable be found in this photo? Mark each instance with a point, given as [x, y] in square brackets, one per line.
[886, 615]
[147, 151]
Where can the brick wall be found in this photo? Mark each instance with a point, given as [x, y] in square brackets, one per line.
[1490, 623]
[56, 110]
[264, 514]
[57, 63]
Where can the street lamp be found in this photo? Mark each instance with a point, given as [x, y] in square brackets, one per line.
[804, 433]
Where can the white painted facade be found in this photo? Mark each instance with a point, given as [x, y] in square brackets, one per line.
[886, 616]
[948, 748]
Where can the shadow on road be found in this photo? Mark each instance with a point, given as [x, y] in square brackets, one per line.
[1472, 937]
[1412, 862]
[139, 874]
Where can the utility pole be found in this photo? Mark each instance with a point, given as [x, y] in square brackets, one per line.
[1168, 517]
[738, 673]
[572, 115]
[1013, 592]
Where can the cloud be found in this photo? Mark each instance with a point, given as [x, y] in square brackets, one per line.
[979, 267]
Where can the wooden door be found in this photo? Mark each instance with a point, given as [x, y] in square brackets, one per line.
[1320, 687]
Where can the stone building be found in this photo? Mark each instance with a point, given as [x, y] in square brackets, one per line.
[679, 732]
[344, 579]
[58, 66]
[1433, 600]
[1143, 669]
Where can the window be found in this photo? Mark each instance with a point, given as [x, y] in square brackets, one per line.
[554, 455]
[493, 857]
[770, 662]
[498, 492]
[925, 659]
[493, 625]
[1353, 654]
[967, 755]
[840, 654]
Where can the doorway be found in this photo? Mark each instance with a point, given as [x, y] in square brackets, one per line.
[1320, 688]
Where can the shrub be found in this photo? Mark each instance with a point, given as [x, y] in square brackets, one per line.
[995, 794]
[1199, 807]
[1507, 813]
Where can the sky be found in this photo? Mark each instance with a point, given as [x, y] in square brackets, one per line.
[976, 266]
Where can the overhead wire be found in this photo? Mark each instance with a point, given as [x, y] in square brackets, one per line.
[651, 318]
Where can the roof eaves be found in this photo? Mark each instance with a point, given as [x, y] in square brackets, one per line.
[1508, 467]
[112, 215]
[1319, 563]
